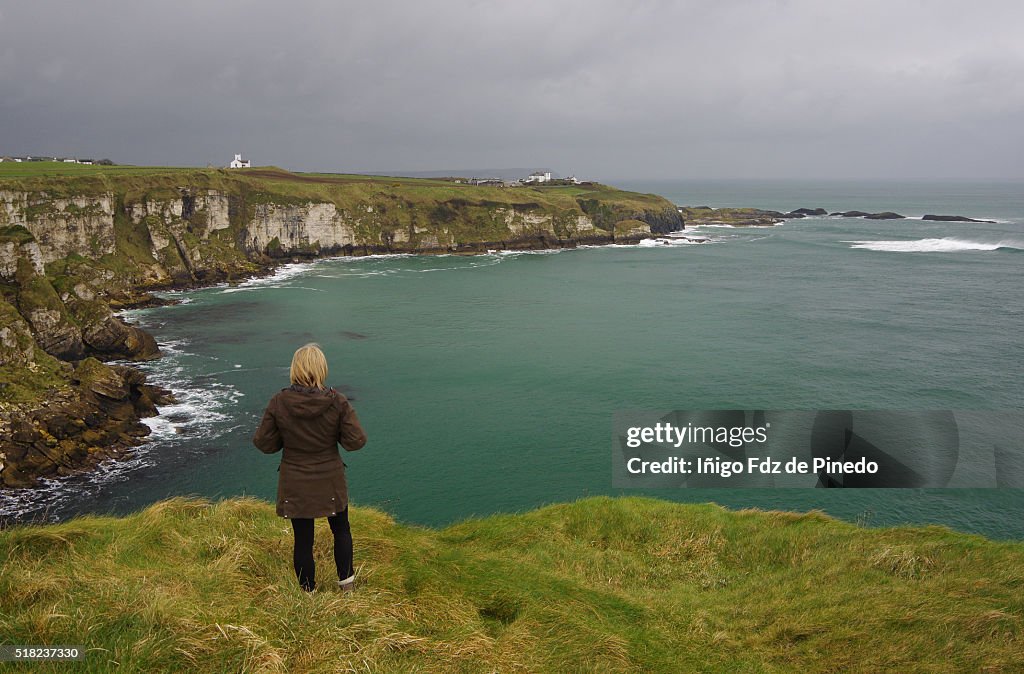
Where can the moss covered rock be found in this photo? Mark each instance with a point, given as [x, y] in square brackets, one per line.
[106, 336]
[16, 342]
[47, 316]
[632, 228]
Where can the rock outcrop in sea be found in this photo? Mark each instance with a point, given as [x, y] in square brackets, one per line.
[753, 217]
[734, 217]
[953, 218]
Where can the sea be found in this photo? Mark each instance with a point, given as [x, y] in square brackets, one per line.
[488, 384]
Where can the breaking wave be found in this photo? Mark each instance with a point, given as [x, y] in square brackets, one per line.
[944, 245]
[281, 276]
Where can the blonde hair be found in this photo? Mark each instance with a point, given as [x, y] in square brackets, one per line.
[309, 366]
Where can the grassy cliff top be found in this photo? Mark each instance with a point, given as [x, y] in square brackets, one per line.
[603, 584]
[139, 182]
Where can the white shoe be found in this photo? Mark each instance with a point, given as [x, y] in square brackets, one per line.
[348, 585]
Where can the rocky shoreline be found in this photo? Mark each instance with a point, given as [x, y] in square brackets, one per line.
[98, 418]
[695, 216]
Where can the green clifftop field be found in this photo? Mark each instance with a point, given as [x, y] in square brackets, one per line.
[600, 585]
[78, 241]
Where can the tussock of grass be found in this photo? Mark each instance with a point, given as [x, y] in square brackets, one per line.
[602, 584]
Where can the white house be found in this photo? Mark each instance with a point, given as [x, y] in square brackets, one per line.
[238, 162]
[538, 177]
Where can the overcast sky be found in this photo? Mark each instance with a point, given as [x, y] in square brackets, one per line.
[699, 89]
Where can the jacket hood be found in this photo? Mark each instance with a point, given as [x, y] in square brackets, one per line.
[307, 403]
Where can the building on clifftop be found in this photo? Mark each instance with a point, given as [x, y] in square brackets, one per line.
[238, 162]
[538, 177]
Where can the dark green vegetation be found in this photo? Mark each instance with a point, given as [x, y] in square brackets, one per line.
[736, 217]
[603, 584]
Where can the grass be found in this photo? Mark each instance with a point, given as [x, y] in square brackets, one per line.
[27, 169]
[59, 178]
[15, 233]
[29, 383]
[600, 585]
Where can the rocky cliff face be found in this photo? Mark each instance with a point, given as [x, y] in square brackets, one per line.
[177, 235]
[56, 417]
[17, 345]
[71, 322]
[62, 226]
[60, 410]
[298, 228]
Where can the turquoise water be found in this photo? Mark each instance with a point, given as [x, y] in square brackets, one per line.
[488, 383]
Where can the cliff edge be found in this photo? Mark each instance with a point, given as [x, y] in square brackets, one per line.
[600, 585]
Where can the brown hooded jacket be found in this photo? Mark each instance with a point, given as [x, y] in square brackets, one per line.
[308, 424]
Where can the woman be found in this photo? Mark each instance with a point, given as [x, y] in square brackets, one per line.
[308, 421]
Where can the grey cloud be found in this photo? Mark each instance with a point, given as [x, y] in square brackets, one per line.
[605, 89]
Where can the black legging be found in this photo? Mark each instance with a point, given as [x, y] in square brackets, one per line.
[302, 557]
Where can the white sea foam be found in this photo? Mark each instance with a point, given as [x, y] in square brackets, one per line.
[671, 241]
[1001, 221]
[375, 256]
[944, 245]
[354, 271]
[199, 408]
[541, 251]
[36, 504]
[472, 263]
[280, 276]
[468, 262]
